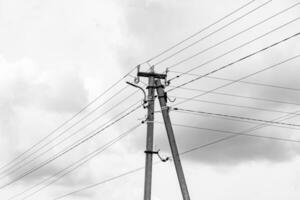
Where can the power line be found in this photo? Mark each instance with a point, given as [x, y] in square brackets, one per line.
[235, 35]
[11, 170]
[235, 117]
[242, 82]
[239, 60]
[200, 31]
[182, 153]
[68, 149]
[216, 31]
[234, 105]
[67, 121]
[237, 48]
[241, 96]
[70, 168]
[234, 133]
[242, 78]
[64, 131]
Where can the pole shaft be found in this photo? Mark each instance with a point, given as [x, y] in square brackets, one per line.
[172, 141]
[149, 142]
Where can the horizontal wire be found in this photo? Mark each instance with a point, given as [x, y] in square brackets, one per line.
[232, 132]
[234, 105]
[241, 96]
[240, 60]
[68, 149]
[234, 36]
[236, 48]
[242, 82]
[214, 32]
[223, 139]
[235, 117]
[200, 31]
[12, 170]
[75, 165]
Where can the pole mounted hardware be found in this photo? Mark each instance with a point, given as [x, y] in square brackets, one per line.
[139, 87]
[159, 156]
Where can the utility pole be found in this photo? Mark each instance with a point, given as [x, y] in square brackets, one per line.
[149, 142]
[165, 113]
[154, 82]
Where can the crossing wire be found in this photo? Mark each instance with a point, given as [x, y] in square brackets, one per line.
[214, 32]
[237, 48]
[240, 60]
[68, 149]
[200, 31]
[232, 132]
[235, 35]
[67, 121]
[234, 105]
[75, 165]
[239, 96]
[223, 139]
[235, 117]
[12, 170]
[242, 78]
[242, 82]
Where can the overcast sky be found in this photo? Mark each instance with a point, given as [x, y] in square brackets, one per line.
[56, 56]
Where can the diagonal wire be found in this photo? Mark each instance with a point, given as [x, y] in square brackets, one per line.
[216, 31]
[68, 149]
[237, 48]
[235, 117]
[242, 78]
[232, 132]
[243, 82]
[234, 36]
[223, 139]
[12, 170]
[240, 96]
[66, 122]
[200, 31]
[234, 105]
[70, 168]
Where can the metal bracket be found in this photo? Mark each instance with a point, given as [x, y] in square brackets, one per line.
[157, 153]
[145, 96]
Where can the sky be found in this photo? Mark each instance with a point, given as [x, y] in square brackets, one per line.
[57, 56]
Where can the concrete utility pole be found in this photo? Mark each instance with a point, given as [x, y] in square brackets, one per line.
[165, 112]
[149, 143]
[154, 82]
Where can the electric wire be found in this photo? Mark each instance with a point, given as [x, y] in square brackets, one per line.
[240, 96]
[242, 78]
[223, 139]
[243, 82]
[62, 133]
[69, 149]
[75, 165]
[198, 32]
[234, 105]
[12, 170]
[214, 32]
[236, 48]
[239, 60]
[67, 121]
[232, 132]
[235, 117]
[234, 35]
